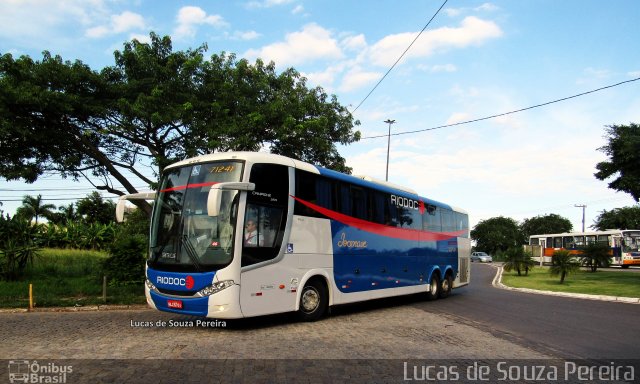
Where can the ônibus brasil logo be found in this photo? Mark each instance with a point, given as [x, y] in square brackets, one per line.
[186, 282]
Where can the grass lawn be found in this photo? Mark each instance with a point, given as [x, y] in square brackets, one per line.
[602, 282]
[66, 277]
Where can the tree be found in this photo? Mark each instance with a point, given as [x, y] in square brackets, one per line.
[541, 225]
[94, 209]
[563, 264]
[618, 218]
[594, 255]
[497, 234]
[154, 107]
[34, 207]
[623, 151]
[68, 213]
[519, 259]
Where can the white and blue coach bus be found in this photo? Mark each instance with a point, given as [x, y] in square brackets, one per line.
[242, 234]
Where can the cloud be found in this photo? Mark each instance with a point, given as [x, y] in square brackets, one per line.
[358, 78]
[124, 22]
[486, 7]
[244, 35]
[38, 23]
[311, 43]
[190, 18]
[472, 31]
[268, 4]
[354, 43]
[458, 117]
[438, 68]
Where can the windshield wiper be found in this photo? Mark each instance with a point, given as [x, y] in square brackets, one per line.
[191, 252]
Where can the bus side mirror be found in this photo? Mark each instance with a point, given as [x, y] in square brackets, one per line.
[214, 199]
[122, 202]
[213, 202]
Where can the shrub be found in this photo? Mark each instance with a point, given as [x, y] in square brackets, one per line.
[125, 264]
[18, 246]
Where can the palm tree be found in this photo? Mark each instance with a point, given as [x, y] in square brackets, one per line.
[33, 207]
[519, 259]
[69, 212]
[562, 264]
[596, 255]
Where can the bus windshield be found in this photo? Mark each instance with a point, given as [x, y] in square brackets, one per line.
[631, 241]
[184, 237]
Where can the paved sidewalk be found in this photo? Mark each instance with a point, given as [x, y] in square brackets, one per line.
[497, 282]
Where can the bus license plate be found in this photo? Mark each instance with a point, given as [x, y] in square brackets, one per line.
[176, 304]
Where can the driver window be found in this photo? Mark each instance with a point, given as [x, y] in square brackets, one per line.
[261, 226]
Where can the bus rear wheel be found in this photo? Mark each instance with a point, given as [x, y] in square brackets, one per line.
[433, 289]
[313, 301]
[446, 286]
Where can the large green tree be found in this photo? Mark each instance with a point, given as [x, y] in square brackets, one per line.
[618, 218]
[497, 234]
[156, 106]
[94, 209]
[541, 225]
[623, 165]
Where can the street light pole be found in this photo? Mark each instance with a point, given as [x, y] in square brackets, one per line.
[583, 206]
[388, 121]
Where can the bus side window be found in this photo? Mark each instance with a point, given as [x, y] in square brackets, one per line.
[604, 239]
[568, 243]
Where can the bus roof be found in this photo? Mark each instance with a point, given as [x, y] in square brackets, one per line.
[263, 157]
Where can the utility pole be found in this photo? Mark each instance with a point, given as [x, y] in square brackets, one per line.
[583, 206]
[388, 121]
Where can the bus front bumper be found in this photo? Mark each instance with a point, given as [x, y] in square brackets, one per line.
[221, 305]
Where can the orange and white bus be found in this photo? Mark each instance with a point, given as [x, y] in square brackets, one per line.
[624, 244]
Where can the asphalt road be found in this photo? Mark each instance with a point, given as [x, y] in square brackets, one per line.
[565, 327]
[368, 342]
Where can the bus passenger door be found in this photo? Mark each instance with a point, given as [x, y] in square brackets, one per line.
[616, 246]
[265, 277]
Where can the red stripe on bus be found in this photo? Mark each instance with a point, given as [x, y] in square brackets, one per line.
[381, 229]
[181, 187]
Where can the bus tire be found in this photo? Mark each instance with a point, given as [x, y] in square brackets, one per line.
[624, 266]
[433, 289]
[313, 300]
[446, 286]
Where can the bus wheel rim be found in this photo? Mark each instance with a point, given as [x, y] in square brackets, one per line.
[433, 287]
[310, 300]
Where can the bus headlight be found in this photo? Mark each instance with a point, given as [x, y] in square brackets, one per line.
[150, 285]
[215, 287]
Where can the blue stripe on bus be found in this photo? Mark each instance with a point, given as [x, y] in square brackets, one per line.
[364, 261]
[177, 281]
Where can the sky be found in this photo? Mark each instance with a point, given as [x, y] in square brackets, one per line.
[475, 59]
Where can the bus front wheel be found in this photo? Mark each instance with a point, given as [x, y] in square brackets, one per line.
[313, 301]
[433, 289]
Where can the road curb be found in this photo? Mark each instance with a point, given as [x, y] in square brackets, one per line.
[88, 308]
[497, 282]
